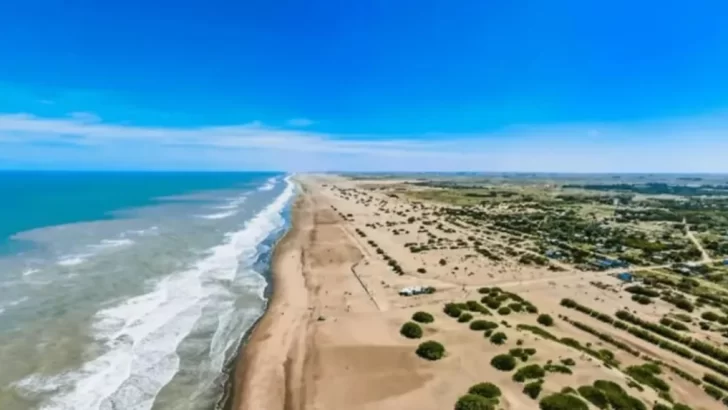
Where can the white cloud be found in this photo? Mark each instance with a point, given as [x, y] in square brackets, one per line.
[688, 145]
[299, 122]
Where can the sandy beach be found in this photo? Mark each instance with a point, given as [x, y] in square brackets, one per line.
[330, 338]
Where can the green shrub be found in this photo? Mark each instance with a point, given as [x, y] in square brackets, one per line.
[680, 406]
[713, 392]
[491, 302]
[533, 389]
[473, 402]
[642, 300]
[487, 390]
[710, 316]
[474, 306]
[431, 350]
[411, 330]
[483, 290]
[498, 338]
[559, 401]
[503, 362]
[480, 325]
[545, 319]
[640, 290]
[568, 390]
[465, 317]
[452, 310]
[647, 374]
[423, 317]
[504, 311]
[617, 397]
[557, 368]
[516, 307]
[660, 406]
[568, 362]
[594, 396]
[531, 371]
[716, 381]
[529, 351]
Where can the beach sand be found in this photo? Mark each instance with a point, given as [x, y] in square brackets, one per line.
[330, 337]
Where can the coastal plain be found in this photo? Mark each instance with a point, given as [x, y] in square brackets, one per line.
[333, 334]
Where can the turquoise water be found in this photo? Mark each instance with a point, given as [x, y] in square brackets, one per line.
[130, 290]
[38, 199]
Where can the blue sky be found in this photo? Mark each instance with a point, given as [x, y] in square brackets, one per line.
[373, 85]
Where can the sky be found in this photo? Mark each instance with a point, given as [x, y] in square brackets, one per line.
[378, 85]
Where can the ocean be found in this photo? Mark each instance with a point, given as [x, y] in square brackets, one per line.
[131, 291]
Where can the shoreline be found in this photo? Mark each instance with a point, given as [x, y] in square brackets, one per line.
[231, 392]
[250, 364]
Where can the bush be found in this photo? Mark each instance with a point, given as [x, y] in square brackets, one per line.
[531, 371]
[559, 401]
[499, 338]
[710, 316]
[465, 317]
[557, 368]
[431, 350]
[474, 306]
[516, 307]
[484, 290]
[423, 317]
[503, 362]
[491, 302]
[545, 320]
[716, 381]
[531, 308]
[487, 390]
[660, 406]
[568, 362]
[533, 389]
[452, 310]
[504, 310]
[642, 300]
[567, 390]
[411, 330]
[594, 396]
[473, 402]
[640, 290]
[647, 374]
[713, 392]
[480, 325]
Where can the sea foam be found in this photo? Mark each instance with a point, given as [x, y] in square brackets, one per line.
[140, 336]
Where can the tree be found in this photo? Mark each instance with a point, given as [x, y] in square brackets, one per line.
[503, 362]
[545, 319]
[431, 350]
[533, 389]
[473, 402]
[498, 338]
[560, 401]
[423, 317]
[411, 330]
[486, 389]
